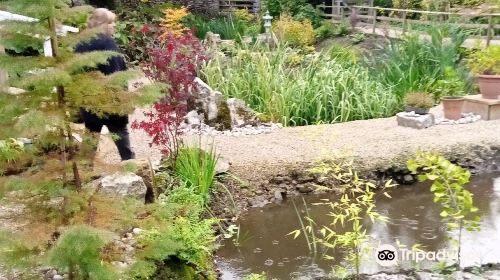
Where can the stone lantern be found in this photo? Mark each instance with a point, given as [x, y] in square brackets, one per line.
[267, 21]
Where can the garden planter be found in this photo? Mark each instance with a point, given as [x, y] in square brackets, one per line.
[417, 110]
[489, 85]
[452, 107]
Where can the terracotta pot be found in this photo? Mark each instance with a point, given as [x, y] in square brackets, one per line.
[489, 85]
[453, 107]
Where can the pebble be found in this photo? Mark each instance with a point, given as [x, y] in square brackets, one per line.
[466, 118]
[204, 129]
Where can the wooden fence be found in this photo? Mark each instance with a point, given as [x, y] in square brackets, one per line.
[404, 17]
[228, 5]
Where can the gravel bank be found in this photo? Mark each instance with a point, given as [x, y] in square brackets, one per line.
[373, 143]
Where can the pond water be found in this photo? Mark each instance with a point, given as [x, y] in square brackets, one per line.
[264, 245]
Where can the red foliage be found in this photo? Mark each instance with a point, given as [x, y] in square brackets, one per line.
[174, 61]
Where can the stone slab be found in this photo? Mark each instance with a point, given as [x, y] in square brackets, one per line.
[415, 121]
[488, 109]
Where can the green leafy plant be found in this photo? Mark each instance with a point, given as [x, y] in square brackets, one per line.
[176, 229]
[256, 276]
[448, 180]
[293, 32]
[232, 26]
[324, 88]
[196, 167]
[412, 64]
[299, 9]
[419, 100]
[486, 61]
[326, 30]
[78, 252]
[347, 232]
[14, 156]
[358, 38]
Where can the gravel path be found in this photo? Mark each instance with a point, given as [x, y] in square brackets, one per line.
[255, 157]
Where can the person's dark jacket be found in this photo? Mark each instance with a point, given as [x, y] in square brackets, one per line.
[104, 43]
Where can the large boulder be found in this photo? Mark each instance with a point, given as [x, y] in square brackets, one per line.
[209, 107]
[121, 184]
[240, 114]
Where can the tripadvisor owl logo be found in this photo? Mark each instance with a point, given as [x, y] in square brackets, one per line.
[386, 255]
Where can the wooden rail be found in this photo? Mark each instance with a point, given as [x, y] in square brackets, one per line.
[228, 5]
[371, 16]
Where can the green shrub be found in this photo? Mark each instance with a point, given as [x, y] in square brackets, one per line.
[324, 88]
[13, 156]
[230, 27]
[196, 167]
[413, 64]
[177, 232]
[78, 252]
[293, 32]
[419, 100]
[299, 9]
[326, 30]
[486, 61]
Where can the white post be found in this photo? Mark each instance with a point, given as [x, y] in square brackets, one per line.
[4, 87]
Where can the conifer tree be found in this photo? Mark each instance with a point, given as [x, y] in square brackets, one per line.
[56, 87]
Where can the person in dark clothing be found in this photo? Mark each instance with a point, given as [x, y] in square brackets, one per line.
[116, 124]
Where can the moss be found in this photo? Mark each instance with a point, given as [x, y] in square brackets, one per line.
[223, 120]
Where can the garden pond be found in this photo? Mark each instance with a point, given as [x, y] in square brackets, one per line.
[265, 246]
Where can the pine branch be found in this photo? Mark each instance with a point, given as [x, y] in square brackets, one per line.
[46, 81]
[34, 29]
[20, 64]
[85, 61]
[83, 36]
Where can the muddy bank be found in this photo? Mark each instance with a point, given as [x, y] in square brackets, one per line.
[298, 179]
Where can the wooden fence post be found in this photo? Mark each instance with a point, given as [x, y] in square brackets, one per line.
[3, 75]
[374, 14]
[405, 22]
[490, 30]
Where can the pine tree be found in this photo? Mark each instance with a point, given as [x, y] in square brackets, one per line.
[56, 88]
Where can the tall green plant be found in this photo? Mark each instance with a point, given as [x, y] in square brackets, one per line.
[421, 64]
[196, 167]
[448, 180]
[295, 89]
[347, 231]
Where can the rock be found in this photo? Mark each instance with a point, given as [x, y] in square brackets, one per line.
[58, 277]
[278, 196]
[212, 39]
[410, 119]
[124, 184]
[492, 275]
[222, 166]
[423, 275]
[259, 201]
[192, 119]
[470, 276]
[240, 114]
[137, 231]
[305, 188]
[50, 273]
[144, 169]
[385, 276]
[408, 179]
